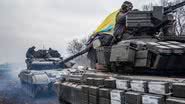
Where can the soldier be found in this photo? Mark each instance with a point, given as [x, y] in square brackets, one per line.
[53, 53]
[109, 32]
[120, 25]
[30, 53]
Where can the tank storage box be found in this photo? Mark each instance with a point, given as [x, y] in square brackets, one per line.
[166, 55]
[134, 52]
[74, 78]
[162, 88]
[142, 59]
[85, 94]
[98, 82]
[178, 90]
[93, 95]
[133, 98]
[61, 87]
[76, 94]
[142, 54]
[93, 99]
[103, 55]
[159, 55]
[90, 81]
[144, 18]
[110, 83]
[93, 90]
[64, 93]
[95, 81]
[104, 93]
[141, 63]
[68, 89]
[104, 96]
[71, 92]
[117, 96]
[85, 89]
[104, 101]
[85, 98]
[122, 84]
[122, 53]
[115, 102]
[173, 100]
[140, 86]
[138, 92]
[152, 99]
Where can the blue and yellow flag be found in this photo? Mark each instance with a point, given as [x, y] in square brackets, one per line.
[107, 26]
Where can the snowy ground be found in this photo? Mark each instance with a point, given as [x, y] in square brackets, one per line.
[11, 92]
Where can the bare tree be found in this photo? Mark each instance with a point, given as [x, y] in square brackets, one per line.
[180, 20]
[76, 45]
[165, 3]
[179, 15]
[148, 7]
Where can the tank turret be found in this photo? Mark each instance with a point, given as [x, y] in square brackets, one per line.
[152, 43]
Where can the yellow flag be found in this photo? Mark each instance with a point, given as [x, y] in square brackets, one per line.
[107, 26]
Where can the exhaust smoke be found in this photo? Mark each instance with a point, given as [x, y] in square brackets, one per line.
[11, 91]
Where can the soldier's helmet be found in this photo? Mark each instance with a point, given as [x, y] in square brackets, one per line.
[33, 47]
[127, 6]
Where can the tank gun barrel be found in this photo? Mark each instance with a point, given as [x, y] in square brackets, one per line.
[75, 55]
[174, 7]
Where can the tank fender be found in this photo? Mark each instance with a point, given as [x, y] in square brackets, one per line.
[40, 79]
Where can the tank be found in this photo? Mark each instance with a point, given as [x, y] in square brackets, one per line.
[152, 47]
[38, 83]
[4, 66]
[41, 73]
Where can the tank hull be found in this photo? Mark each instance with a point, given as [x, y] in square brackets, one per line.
[39, 83]
[141, 88]
[36, 90]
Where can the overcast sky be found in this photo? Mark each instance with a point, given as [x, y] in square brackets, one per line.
[50, 23]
